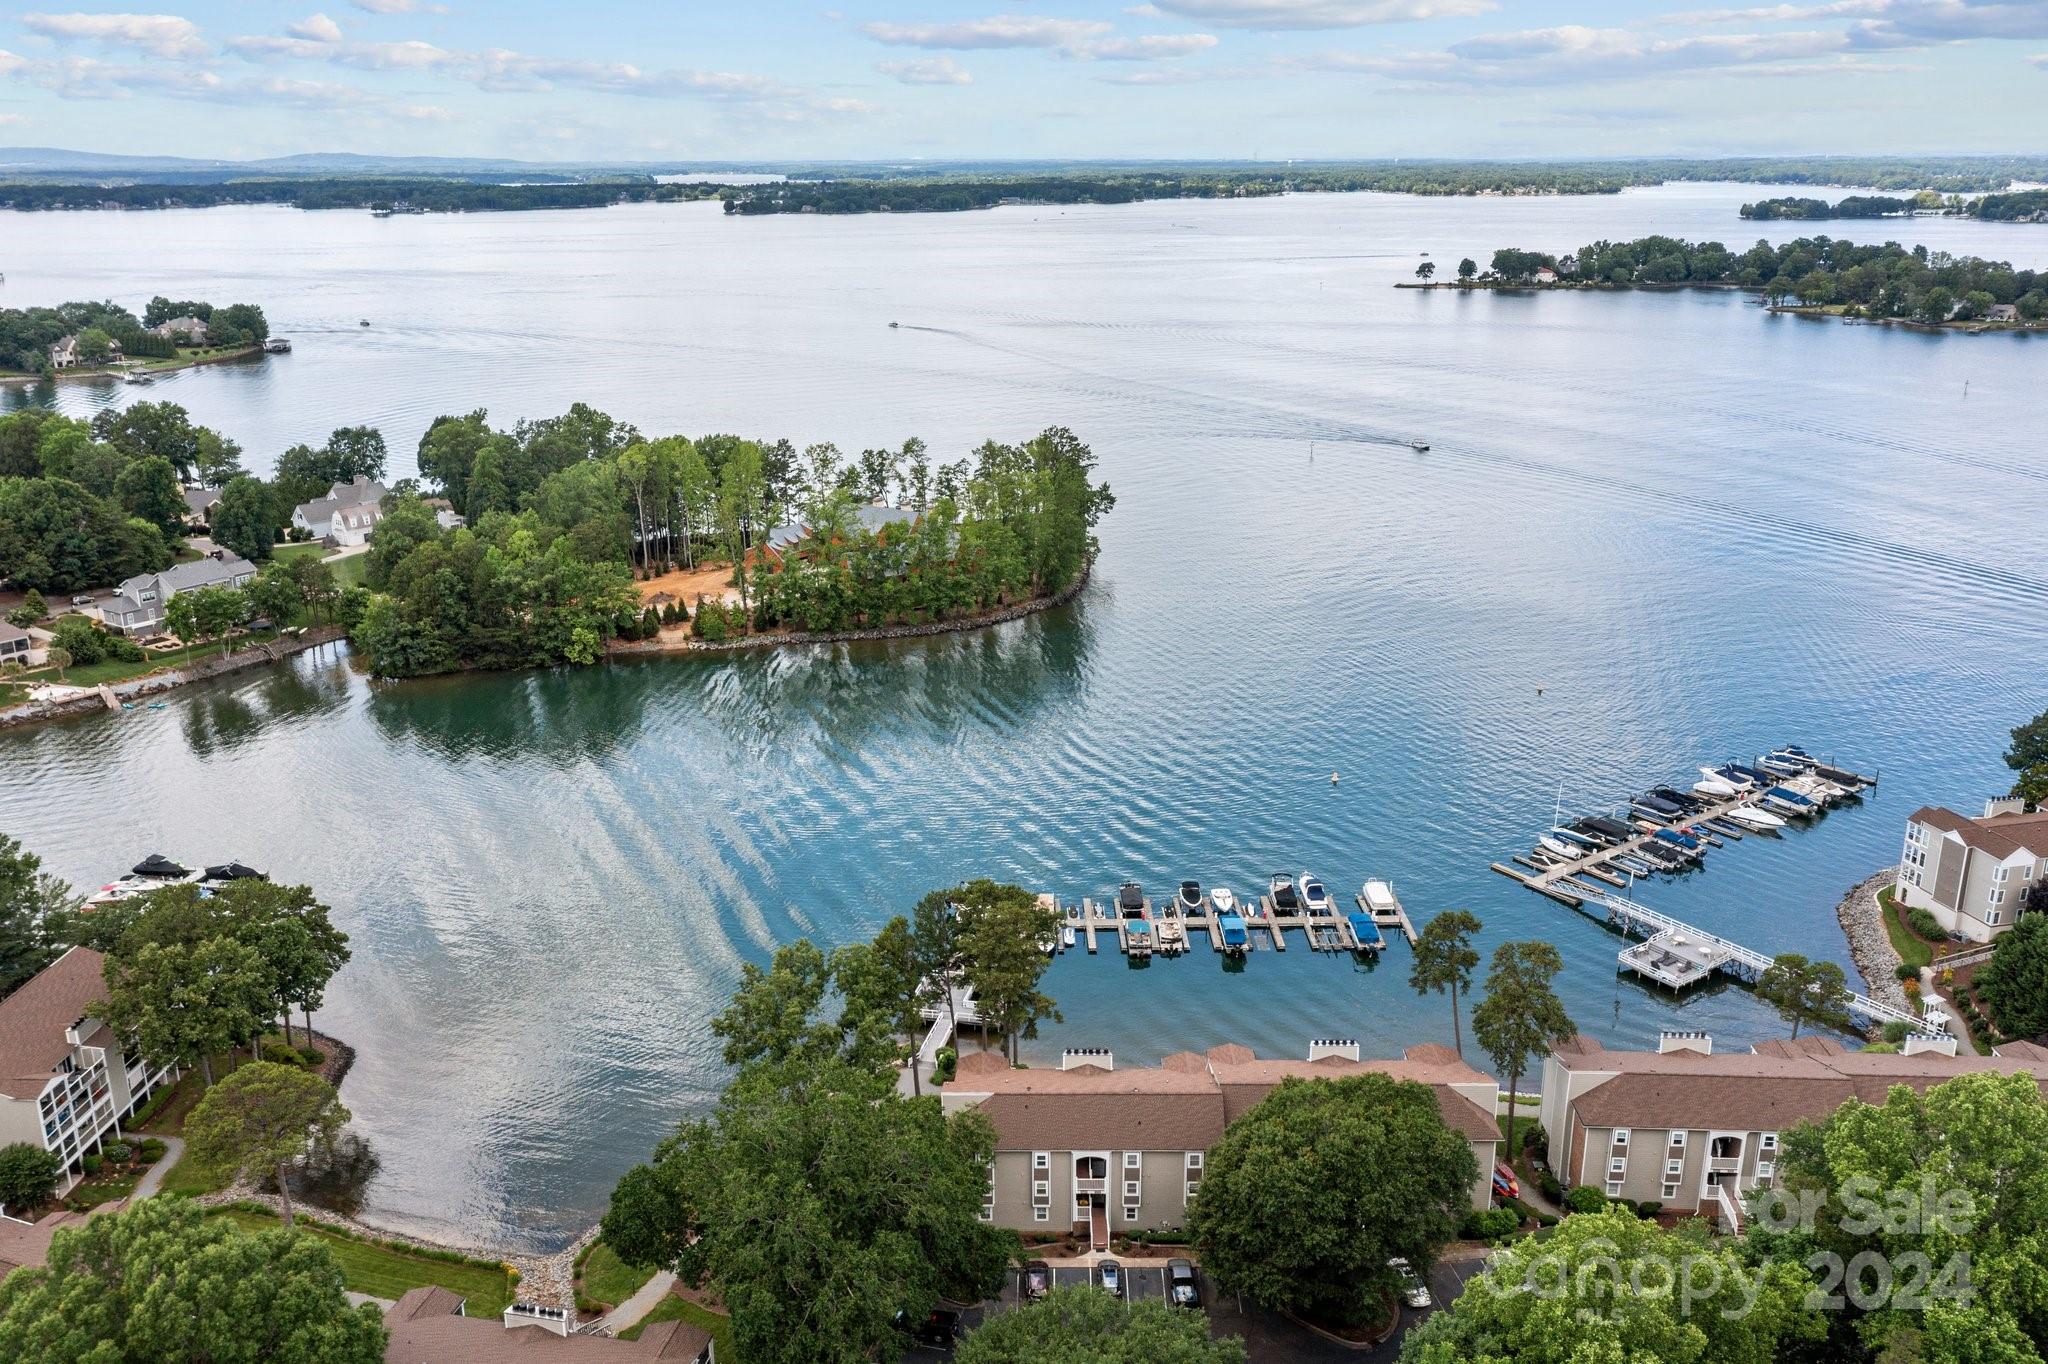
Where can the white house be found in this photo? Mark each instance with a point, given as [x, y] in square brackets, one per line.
[1545, 275]
[64, 354]
[346, 515]
[191, 330]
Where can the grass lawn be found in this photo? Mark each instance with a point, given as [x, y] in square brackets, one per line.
[1913, 949]
[311, 549]
[349, 572]
[606, 1278]
[114, 670]
[104, 1188]
[673, 1308]
[385, 1273]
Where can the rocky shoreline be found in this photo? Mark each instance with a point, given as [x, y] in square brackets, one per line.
[1870, 947]
[272, 651]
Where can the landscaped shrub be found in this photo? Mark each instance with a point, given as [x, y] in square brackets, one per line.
[152, 1150]
[944, 1064]
[93, 1162]
[1649, 1208]
[1586, 1198]
[650, 623]
[1906, 971]
[120, 1153]
[1534, 1139]
[710, 623]
[311, 1056]
[1489, 1224]
[28, 1175]
[1925, 924]
[32, 609]
[1547, 1182]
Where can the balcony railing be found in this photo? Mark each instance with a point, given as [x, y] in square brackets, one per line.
[1091, 1185]
[1725, 1165]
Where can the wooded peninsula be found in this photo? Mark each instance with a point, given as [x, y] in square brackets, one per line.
[1811, 274]
[2025, 206]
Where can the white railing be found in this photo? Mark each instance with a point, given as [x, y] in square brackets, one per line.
[1731, 1208]
[1629, 916]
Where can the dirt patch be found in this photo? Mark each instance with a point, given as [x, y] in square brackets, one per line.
[686, 585]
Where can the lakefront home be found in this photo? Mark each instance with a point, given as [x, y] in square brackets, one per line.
[139, 606]
[873, 517]
[1102, 1151]
[64, 354]
[188, 329]
[346, 515]
[66, 1081]
[1695, 1130]
[1975, 876]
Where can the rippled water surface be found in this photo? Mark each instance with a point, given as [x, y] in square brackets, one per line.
[1652, 530]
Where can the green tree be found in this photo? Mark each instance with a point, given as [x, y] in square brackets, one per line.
[2027, 755]
[1924, 1178]
[2014, 983]
[1444, 960]
[59, 658]
[879, 981]
[448, 452]
[408, 523]
[355, 452]
[1935, 305]
[28, 1176]
[148, 488]
[159, 428]
[187, 1002]
[34, 909]
[245, 519]
[262, 1119]
[1520, 1017]
[1077, 1325]
[57, 536]
[1804, 991]
[273, 593]
[161, 1283]
[1572, 1297]
[1467, 268]
[216, 459]
[820, 1202]
[1425, 270]
[1307, 1197]
[32, 611]
[774, 1014]
[1003, 937]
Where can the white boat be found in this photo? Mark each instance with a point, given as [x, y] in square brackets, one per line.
[135, 376]
[1315, 898]
[1066, 935]
[1557, 847]
[1714, 787]
[1749, 817]
[1222, 901]
[1379, 898]
[1727, 777]
[1418, 445]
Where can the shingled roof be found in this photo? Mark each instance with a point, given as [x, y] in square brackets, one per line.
[34, 1018]
[1999, 835]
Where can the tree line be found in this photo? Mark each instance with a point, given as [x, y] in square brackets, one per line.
[2019, 206]
[426, 194]
[26, 334]
[1887, 281]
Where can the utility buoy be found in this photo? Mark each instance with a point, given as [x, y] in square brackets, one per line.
[1333, 779]
[1539, 691]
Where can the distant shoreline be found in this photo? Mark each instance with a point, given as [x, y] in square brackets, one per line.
[77, 372]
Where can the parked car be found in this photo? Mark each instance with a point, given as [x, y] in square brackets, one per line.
[1504, 1185]
[940, 1326]
[1112, 1278]
[82, 600]
[1414, 1291]
[1182, 1290]
[1037, 1279]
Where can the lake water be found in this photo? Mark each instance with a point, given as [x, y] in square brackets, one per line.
[1653, 530]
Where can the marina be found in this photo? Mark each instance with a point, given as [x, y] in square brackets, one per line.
[1140, 930]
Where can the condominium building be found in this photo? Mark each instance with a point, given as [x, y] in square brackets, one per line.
[1975, 876]
[1695, 1130]
[1096, 1149]
[65, 1081]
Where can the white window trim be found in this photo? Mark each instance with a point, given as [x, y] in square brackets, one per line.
[1678, 1141]
[1614, 1188]
[1616, 1168]
[1131, 1189]
[1767, 1141]
[1133, 1160]
[1041, 1214]
[1621, 1136]
[1130, 1212]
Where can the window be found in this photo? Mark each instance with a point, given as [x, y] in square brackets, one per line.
[1614, 1188]
[1132, 1159]
[1130, 1188]
[1193, 1186]
[1916, 834]
[1992, 916]
[1194, 1160]
[1041, 1214]
[1670, 1190]
[1678, 1141]
[1621, 1136]
[1616, 1167]
[1673, 1168]
[1041, 1160]
[1998, 897]
[1041, 1191]
[1130, 1212]
[1998, 874]
[1766, 1169]
[988, 1212]
[1767, 1142]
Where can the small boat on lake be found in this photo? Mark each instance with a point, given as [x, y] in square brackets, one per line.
[1418, 444]
[1315, 898]
[1281, 888]
[1749, 817]
[1223, 901]
[1190, 897]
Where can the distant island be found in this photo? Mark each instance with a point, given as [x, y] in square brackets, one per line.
[84, 340]
[2024, 206]
[47, 181]
[1814, 276]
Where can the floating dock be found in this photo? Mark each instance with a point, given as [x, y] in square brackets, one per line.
[1172, 928]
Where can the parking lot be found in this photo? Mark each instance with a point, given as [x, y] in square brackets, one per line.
[1269, 1337]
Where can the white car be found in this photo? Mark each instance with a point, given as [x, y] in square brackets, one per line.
[1112, 1278]
[1414, 1291]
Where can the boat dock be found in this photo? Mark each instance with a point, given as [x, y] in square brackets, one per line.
[1677, 955]
[1172, 929]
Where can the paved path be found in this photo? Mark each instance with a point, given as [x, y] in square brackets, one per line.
[153, 1178]
[640, 1304]
[358, 1299]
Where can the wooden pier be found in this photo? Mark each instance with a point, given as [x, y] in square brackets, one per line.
[1171, 928]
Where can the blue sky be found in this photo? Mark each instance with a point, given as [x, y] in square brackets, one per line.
[942, 78]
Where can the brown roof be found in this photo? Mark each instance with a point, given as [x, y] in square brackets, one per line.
[33, 1020]
[1800, 1046]
[425, 1329]
[1999, 835]
[29, 1244]
[1185, 1102]
[1765, 1090]
[982, 1063]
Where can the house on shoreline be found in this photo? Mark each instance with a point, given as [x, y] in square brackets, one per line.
[141, 604]
[1103, 1151]
[1697, 1130]
[346, 515]
[186, 331]
[66, 1081]
[1975, 876]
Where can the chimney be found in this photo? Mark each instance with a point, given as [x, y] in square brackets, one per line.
[1672, 1040]
[1920, 1041]
[1087, 1056]
[1319, 1047]
[2004, 805]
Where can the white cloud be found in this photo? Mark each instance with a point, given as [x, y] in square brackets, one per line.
[316, 28]
[1778, 14]
[927, 71]
[165, 36]
[398, 7]
[1002, 30]
[2040, 60]
[1905, 23]
[1312, 14]
[13, 120]
[1572, 53]
[1156, 47]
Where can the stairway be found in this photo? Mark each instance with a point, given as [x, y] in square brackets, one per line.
[1098, 1228]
